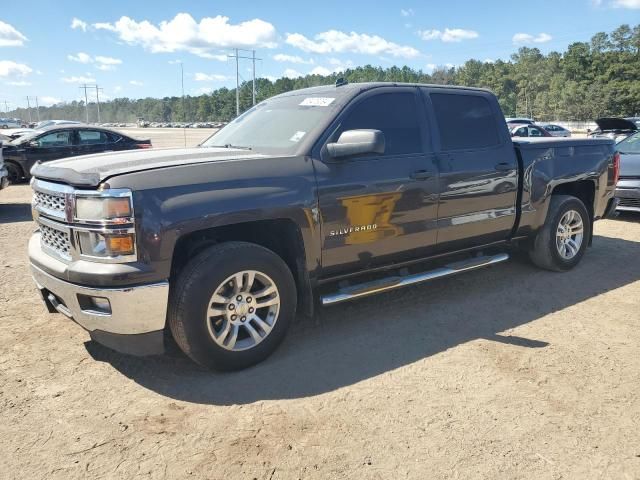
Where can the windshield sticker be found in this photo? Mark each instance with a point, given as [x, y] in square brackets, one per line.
[296, 137]
[317, 101]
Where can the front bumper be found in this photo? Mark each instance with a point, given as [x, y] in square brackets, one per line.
[628, 196]
[133, 323]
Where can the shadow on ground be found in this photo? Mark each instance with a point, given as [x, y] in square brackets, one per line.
[352, 342]
[627, 217]
[15, 212]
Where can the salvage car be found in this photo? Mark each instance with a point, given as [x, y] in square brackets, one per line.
[10, 123]
[62, 141]
[528, 131]
[4, 174]
[616, 128]
[556, 130]
[628, 188]
[311, 198]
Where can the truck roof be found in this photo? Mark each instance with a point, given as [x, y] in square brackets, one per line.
[351, 89]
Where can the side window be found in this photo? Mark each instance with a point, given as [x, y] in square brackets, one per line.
[114, 137]
[521, 132]
[395, 115]
[91, 137]
[535, 132]
[56, 139]
[464, 121]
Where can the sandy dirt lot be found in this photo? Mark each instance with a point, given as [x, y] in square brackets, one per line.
[170, 137]
[503, 373]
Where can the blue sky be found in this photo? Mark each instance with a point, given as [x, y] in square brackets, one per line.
[134, 48]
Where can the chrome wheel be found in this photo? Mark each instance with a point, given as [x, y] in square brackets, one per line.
[569, 234]
[243, 310]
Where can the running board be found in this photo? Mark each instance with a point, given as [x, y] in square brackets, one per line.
[391, 283]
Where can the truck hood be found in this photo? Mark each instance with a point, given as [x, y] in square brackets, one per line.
[91, 170]
[607, 124]
[630, 165]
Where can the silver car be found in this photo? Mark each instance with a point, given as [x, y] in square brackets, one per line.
[556, 130]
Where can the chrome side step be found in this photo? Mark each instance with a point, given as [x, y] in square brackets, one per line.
[390, 283]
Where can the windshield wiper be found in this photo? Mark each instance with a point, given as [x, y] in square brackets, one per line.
[229, 145]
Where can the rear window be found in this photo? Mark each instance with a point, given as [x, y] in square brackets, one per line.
[464, 121]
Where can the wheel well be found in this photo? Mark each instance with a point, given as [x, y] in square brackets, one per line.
[585, 190]
[282, 236]
[16, 165]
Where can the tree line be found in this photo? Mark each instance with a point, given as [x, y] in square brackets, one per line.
[589, 80]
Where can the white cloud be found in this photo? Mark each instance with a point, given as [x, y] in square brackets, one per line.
[184, 33]
[117, 89]
[79, 79]
[79, 24]
[321, 71]
[523, 38]
[19, 83]
[106, 68]
[291, 73]
[203, 90]
[80, 57]
[213, 77]
[339, 42]
[9, 69]
[136, 83]
[107, 60]
[10, 37]
[633, 4]
[48, 101]
[281, 57]
[431, 67]
[407, 12]
[174, 62]
[448, 35]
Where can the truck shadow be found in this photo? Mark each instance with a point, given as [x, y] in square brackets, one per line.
[15, 212]
[352, 342]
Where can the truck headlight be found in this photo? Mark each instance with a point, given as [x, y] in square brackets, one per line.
[106, 245]
[104, 209]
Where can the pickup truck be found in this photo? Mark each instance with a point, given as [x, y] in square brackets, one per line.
[308, 199]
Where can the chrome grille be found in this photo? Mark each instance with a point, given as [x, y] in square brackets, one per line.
[629, 202]
[52, 204]
[55, 240]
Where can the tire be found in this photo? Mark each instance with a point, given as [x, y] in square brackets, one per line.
[550, 249]
[15, 174]
[201, 323]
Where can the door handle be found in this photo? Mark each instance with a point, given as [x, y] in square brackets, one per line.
[503, 167]
[421, 175]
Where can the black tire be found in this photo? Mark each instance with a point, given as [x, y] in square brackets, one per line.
[544, 252]
[190, 300]
[15, 174]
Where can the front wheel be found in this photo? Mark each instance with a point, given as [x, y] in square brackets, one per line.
[232, 305]
[561, 242]
[14, 173]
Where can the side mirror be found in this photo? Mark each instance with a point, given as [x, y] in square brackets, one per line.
[357, 142]
[34, 143]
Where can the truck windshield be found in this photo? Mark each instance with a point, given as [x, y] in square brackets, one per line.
[276, 126]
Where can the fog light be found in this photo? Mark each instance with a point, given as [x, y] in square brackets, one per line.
[101, 304]
[94, 304]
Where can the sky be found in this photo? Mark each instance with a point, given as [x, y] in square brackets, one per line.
[135, 49]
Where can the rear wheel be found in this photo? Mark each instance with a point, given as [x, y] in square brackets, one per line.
[232, 305]
[562, 241]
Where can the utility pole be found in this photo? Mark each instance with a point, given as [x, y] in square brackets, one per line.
[37, 109]
[86, 101]
[6, 107]
[29, 108]
[98, 102]
[253, 59]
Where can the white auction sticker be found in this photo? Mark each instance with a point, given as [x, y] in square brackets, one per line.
[317, 101]
[297, 136]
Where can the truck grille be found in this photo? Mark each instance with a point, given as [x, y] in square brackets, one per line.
[56, 240]
[54, 204]
[629, 202]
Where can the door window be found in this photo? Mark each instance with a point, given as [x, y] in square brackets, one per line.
[535, 132]
[92, 137]
[465, 121]
[56, 139]
[395, 115]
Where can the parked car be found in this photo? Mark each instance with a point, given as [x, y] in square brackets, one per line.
[615, 128]
[555, 130]
[10, 123]
[628, 188]
[528, 131]
[62, 141]
[329, 193]
[4, 174]
[519, 120]
[635, 120]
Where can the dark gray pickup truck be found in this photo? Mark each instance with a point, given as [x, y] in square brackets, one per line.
[316, 196]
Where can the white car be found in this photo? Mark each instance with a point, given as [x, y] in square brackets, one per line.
[556, 130]
[10, 123]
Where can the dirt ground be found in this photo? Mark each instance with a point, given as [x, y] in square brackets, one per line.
[503, 373]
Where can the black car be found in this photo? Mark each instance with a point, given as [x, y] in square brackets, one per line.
[62, 141]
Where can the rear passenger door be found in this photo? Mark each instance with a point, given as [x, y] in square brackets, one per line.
[478, 180]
